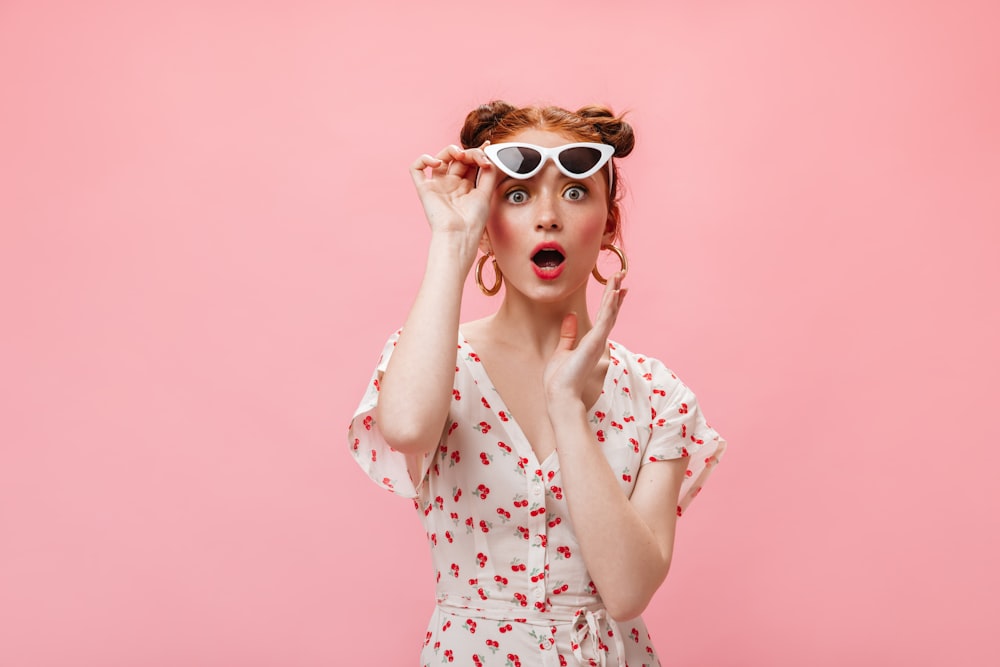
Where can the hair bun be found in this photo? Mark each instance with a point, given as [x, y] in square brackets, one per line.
[480, 122]
[613, 129]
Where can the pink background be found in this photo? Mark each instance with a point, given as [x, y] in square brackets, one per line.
[208, 230]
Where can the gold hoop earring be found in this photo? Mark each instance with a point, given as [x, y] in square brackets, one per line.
[621, 257]
[479, 276]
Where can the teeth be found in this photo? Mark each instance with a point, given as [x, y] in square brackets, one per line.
[548, 258]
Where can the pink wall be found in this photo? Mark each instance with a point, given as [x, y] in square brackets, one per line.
[207, 229]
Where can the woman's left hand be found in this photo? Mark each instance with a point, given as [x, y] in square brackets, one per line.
[571, 365]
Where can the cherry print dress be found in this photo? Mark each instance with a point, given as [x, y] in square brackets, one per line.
[512, 589]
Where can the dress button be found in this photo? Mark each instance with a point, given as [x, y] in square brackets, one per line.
[538, 491]
[539, 594]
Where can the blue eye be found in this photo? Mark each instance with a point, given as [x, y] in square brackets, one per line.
[517, 196]
[575, 193]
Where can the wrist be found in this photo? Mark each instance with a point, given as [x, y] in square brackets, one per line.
[455, 249]
[461, 240]
[565, 408]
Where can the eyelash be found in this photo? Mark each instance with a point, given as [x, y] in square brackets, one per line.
[511, 194]
[582, 189]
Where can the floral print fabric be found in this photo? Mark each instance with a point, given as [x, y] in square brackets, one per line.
[512, 588]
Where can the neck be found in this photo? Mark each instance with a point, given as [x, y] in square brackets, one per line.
[535, 325]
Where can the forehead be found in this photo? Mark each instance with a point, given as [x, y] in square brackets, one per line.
[544, 138]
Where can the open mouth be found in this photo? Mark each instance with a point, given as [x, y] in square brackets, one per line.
[548, 258]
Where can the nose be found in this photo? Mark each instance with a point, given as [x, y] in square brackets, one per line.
[546, 215]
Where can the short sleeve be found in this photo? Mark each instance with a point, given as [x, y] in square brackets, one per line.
[383, 464]
[678, 429]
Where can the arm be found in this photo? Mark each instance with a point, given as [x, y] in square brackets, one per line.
[627, 544]
[415, 391]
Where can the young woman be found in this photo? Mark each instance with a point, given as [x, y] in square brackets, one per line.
[548, 464]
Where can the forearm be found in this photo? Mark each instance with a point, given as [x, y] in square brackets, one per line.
[415, 391]
[625, 560]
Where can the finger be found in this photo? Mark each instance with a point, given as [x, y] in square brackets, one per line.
[479, 157]
[450, 152]
[448, 155]
[595, 341]
[488, 177]
[485, 162]
[610, 294]
[469, 164]
[420, 164]
[425, 160]
[611, 302]
[457, 168]
[567, 332]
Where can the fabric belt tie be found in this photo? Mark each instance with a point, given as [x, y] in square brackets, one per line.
[585, 631]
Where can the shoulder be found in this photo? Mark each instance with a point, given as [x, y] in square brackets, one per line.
[636, 363]
[646, 380]
[476, 328]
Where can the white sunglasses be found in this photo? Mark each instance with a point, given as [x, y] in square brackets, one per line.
[578, 160]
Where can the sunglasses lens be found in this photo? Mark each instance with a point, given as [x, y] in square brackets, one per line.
[579, 159]
[520, 160]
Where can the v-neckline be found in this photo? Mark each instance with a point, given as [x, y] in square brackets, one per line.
[497, 405]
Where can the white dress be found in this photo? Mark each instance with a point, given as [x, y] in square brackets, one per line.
[512, 589]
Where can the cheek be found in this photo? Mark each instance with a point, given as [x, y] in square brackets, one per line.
[598, 221]
[595, 222]
[499, 230]
[504, 224]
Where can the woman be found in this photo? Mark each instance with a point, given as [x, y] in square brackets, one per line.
[548, 464]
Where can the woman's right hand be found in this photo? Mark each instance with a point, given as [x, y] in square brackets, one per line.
[416, 388]
[446, 184]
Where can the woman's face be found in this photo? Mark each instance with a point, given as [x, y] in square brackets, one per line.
[547, 231]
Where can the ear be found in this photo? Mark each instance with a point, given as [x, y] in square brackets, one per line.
[484, 243]
[610, 230]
